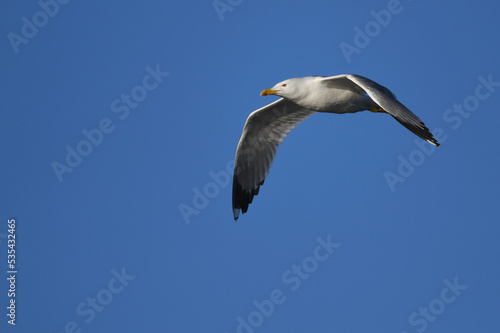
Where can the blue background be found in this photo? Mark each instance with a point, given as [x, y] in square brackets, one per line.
[119, 210]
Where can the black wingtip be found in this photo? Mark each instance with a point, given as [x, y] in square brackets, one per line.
[242, 198]
[419, 130]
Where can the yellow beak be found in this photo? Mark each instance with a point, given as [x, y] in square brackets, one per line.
[268, 92]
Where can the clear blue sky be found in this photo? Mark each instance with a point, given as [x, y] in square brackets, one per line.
[116, 117]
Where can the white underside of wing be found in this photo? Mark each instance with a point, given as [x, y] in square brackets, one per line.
[265, 129]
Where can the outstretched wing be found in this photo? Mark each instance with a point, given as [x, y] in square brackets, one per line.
[265, 129]
[387, 101]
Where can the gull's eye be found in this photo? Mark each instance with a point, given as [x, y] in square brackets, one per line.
[283, 85]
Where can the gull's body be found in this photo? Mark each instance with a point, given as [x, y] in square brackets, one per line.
[266, 128]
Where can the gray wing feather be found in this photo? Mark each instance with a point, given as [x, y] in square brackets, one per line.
[387, 101]
[265, 129]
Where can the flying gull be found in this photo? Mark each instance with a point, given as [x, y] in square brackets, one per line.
[267, 127]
